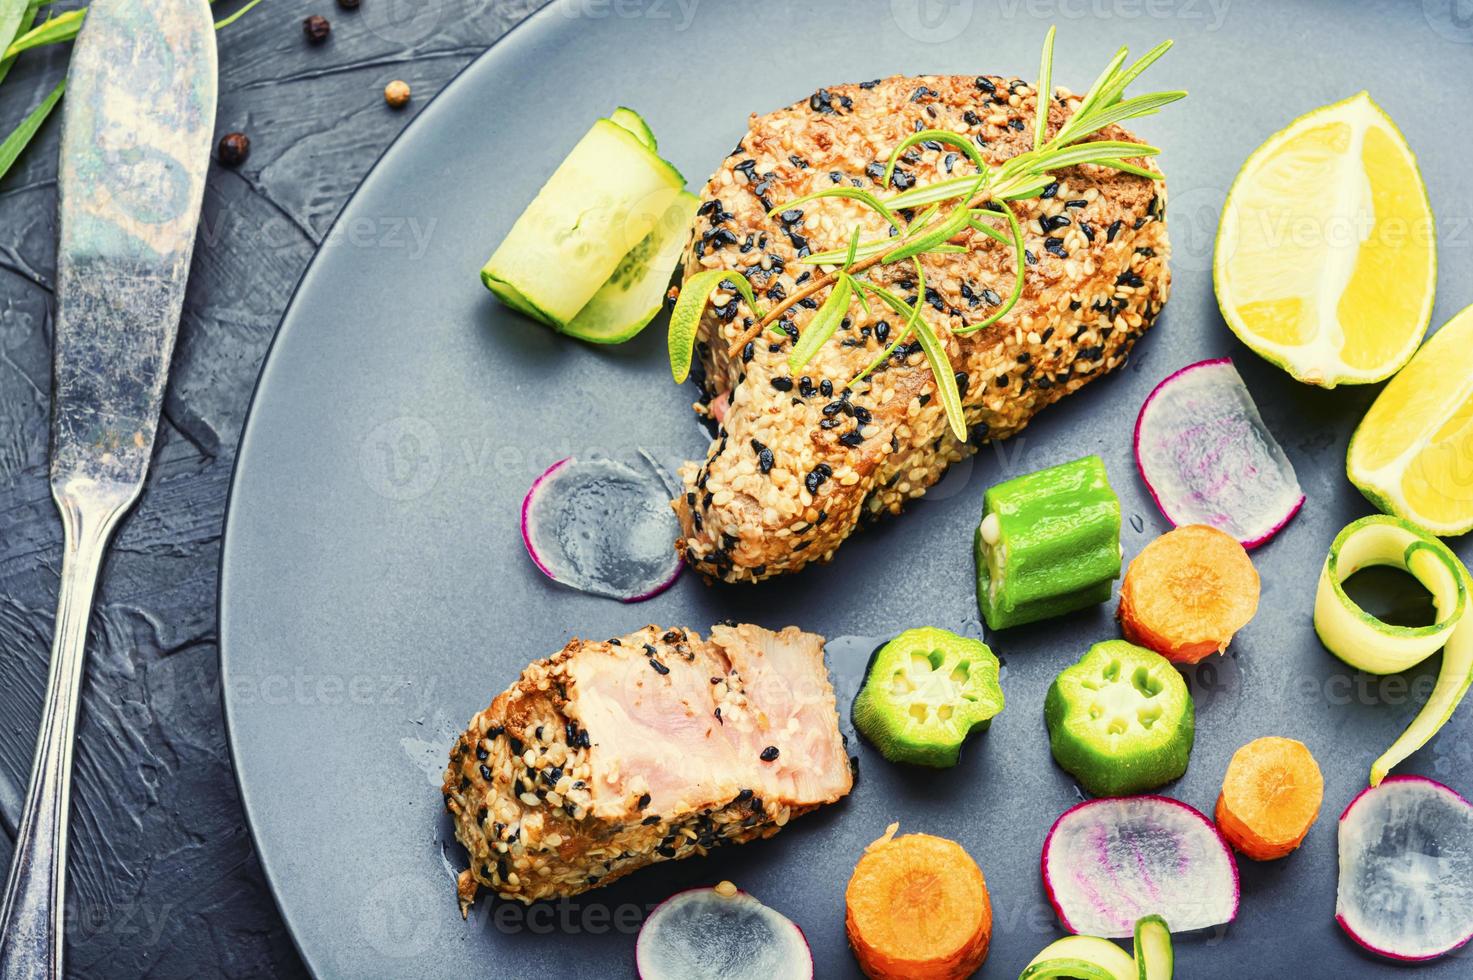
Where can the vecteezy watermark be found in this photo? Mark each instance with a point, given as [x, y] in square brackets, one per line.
[402, 458]
[678, 12]
[405, 22]
[1451, 19]
[933, 21]
[940, 21]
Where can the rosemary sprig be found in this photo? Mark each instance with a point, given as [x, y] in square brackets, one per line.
[971, 202]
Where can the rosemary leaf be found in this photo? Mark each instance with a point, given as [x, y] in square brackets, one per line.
[685, 319]
[1096, 152]
[17, 141]
[853, 248]
[53, 30]
[940, 136]
[12, 17]
[823, 324]
[1045, 90]
[942, 190]
[901, 307]
[1141, 105]
[232, 18]
[853, 194]
[1092, 96]
[854, 287]
[28, 16]
[1018, 266]
[941, 369]
[1117, 85]
[836, 255]
[955, 223]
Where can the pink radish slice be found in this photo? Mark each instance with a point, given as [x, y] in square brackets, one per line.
[603, 527]
[1108, 862]
[1207, 457]
[703, 934]
[1406, 869]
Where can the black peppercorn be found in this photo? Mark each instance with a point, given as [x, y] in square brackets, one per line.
[316, 28]
[234, 148]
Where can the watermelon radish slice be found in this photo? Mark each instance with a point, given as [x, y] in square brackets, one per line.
[1207, 458]
[604, 527]
[1406, 869]
[720, 933]
[1109, 862]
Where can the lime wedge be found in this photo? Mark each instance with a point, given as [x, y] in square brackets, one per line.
[1326, 262]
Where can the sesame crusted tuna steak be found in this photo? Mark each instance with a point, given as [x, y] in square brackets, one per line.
[655, 746]
[799, 462]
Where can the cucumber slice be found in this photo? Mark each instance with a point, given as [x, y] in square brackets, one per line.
[926, 691]
[625, 304]
[602, 200]
[1083, 958]
[635, 123]
[1357, 637]
[1153, 956]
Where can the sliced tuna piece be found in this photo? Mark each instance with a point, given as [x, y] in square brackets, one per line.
[659, 745]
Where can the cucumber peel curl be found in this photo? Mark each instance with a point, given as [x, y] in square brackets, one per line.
[1366, 643]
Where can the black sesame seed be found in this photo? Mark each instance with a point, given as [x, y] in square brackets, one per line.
[783, 384]
[1050, 190]
[769, 753]
[644, 801]
[485, 773]
[1056, 247]
[1112, 231]
[659, 667]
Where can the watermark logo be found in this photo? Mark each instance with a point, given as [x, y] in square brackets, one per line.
[1192, 220]
[933, 21]
[679, 13]
[402, 458]
[396, 919]
[1450, 19]
[404, 22]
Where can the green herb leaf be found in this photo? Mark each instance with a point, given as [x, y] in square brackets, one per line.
[12, 17]
[53, 30]
[227, 21]
[939, 136]
[941, 369]
[21, 137]
[1019, 259]
[853, 248]
[901, 307]
[685, 319]
[28, 17]
[853, 194]
[1045, 90]
[823, 324]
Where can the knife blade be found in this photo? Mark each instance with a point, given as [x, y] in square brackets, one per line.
[135, 148]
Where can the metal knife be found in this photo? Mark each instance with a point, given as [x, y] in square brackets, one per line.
[135, 148]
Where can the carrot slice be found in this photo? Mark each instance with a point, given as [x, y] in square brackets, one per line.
[1270, 797]
[917, 909]
[1187, 593]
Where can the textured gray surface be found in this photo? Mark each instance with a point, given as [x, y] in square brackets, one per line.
[163, 878]
[375, 593]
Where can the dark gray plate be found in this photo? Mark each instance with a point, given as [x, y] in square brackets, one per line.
[375, 594]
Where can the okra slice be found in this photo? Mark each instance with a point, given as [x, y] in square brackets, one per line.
[926, 691]
[1048, 544]
[1121, 720]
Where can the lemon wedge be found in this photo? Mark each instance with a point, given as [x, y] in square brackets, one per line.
[1412, 454]
[1326, 262]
